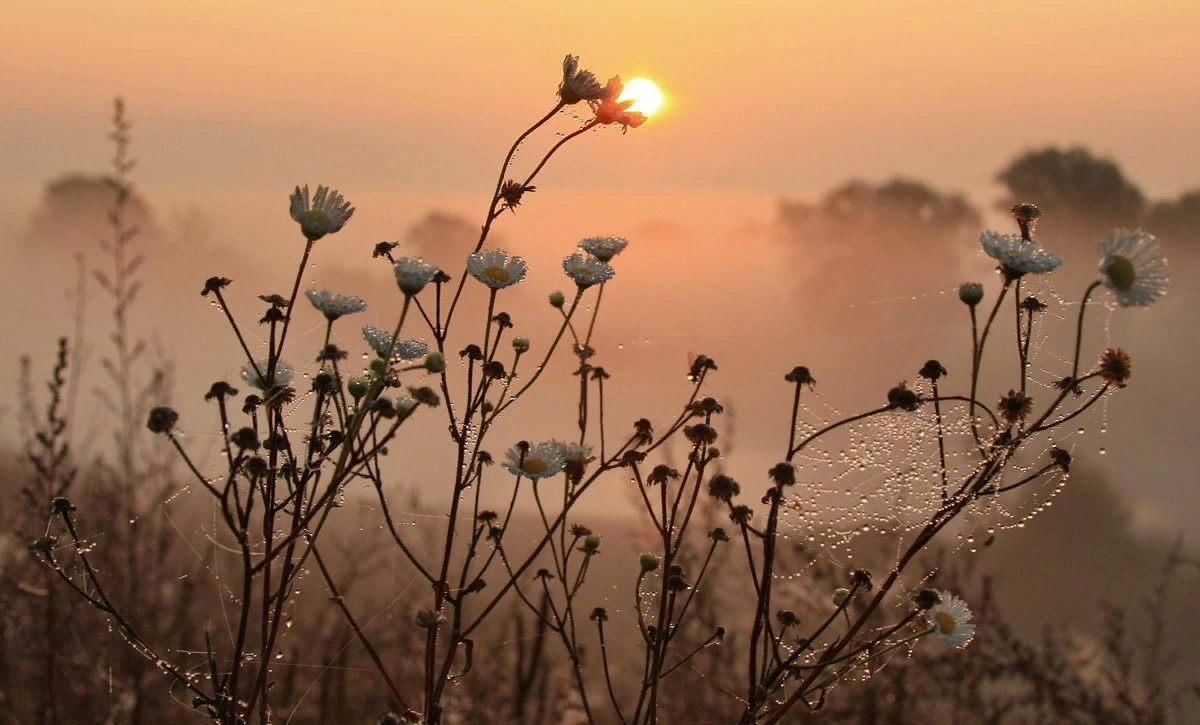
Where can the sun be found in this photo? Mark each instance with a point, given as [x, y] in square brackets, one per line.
[646, 96]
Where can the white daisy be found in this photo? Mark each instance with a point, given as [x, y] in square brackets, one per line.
[496, 268]
[586, 270]
[413, 273]
[380, 341]
[325, 213]
[540, 461]
[604, 248]
[283, 374]
[1018, 256]
[576, 452]
[578, 85]
[410, 349]
[1133, 267]
[335, 306]
[950, 619]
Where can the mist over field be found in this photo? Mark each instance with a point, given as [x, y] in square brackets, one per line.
[816, 202]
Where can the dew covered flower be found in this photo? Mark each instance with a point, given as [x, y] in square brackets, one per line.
[324, 213]
[536, 461]
[413, 273]
[609, 110]
[1018, 256]
[578, 84]
[1133, 267]
[576, 452]
[587, 270]
[604, 248]
[283, 374]
[496, 268]
[380, 341]
[950, 619]
[335, 306]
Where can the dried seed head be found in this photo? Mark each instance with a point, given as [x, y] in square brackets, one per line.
[162, 419]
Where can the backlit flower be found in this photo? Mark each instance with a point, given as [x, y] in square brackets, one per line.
[578, 84]
[950, 619]
[413, 273]
[335, 306]
[1133, 267]
[283, 374]
[538, 461]
[1018, 256]
[604, 248]
[325, 213]
[609, 110]
[496, 269]
[381, 342]
[586, 270]
[576, 452]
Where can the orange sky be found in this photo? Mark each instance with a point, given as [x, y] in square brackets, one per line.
[765, 98]
[409, 107]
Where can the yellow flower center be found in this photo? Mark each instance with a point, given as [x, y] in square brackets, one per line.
[499, 275]
[945, 623]
[535, 465]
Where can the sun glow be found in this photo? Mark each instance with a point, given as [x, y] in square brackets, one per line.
[646, 96]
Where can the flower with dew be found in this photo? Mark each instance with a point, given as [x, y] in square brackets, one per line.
[1133, 267]
[578, 84]
[496, 268]
[604, 248]
[537, 461]
[324, 213]
[610, 110]
[380, 341]
[335, 306]
[283, 374]
[587, 270]
[950, 620]
[413, 273]
[576, 452]
[1018, 256]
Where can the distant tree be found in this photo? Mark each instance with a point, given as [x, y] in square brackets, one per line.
[73, 205]
[443, 233]
[1177, 220]
[863, 232]
[1081, 194]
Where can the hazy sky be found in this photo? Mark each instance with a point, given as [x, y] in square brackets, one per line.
[410, 106]
[765, 98]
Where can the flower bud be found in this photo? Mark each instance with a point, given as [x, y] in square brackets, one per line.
[357, 387]
[557, 299]
[649, 562]
[162, 420]
[840, 595]
[926, 599]
[435, 362]
[591, 544]
[520, 344]
[971, 293]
